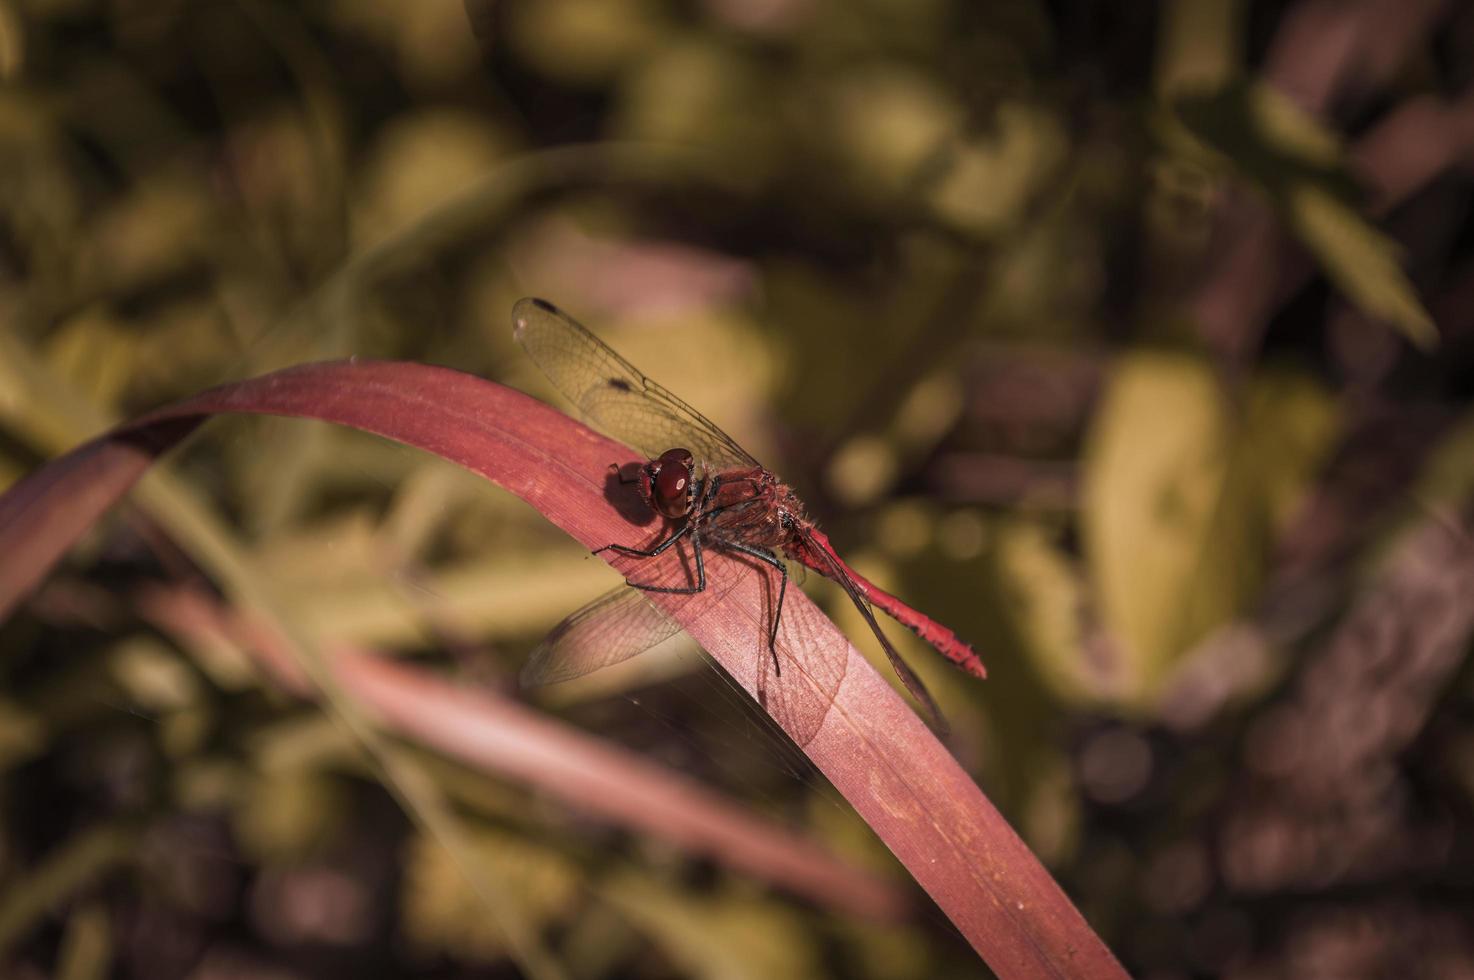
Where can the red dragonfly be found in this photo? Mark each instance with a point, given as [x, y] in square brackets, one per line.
[711, 494]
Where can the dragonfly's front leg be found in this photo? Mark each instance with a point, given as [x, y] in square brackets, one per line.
[688, 528]
[768, 557]
[654, 552]
[692, 528]
[700, 585]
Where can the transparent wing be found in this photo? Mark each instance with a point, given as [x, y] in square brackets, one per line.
[611, 393]
[614, 627]
[801, 696]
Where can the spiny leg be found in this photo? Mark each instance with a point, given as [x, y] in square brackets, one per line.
[654, 552]
[700, 585]
[690, 527]
[764, 555]
[687, 528]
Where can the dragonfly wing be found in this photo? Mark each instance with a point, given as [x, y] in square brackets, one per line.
[611, 393]
[837, 571]
[614, 627]
[801, 694]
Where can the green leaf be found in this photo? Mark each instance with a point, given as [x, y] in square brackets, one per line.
[86, 946]
[989, 183]
[1447, 476]
[1301, 164]
[289, 815]
[1044, 601]
[726, 936]
[1155, 467]
[440, 910]
[1290, 426]
[1262, 135]
[1183, 498]
[23, 733]
[1361, 261]
[1199, 44]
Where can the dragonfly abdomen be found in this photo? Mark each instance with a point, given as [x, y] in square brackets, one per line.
[944, 640]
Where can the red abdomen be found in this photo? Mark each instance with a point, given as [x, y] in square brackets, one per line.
[804, 548]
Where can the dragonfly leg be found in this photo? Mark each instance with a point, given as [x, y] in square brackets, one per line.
[647, 552]
[766, 556]
[690, 527]
[700, 585]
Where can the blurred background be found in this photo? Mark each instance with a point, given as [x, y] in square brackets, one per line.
[1133, 341]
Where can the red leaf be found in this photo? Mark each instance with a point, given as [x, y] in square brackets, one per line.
[872, 748]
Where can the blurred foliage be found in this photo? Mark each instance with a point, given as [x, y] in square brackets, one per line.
[1303, 167]
[1182, 501]
[981, 281]
[440, 911]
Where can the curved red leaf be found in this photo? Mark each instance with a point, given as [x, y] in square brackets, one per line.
[872, 748]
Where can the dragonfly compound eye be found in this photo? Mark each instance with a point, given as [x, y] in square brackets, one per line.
[671, 483]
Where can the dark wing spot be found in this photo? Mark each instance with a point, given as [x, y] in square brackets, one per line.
[619, 384]
[544, 305]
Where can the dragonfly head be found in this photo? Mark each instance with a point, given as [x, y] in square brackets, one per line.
[666, 483]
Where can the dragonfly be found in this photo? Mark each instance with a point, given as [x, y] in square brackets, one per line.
[711, 494]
